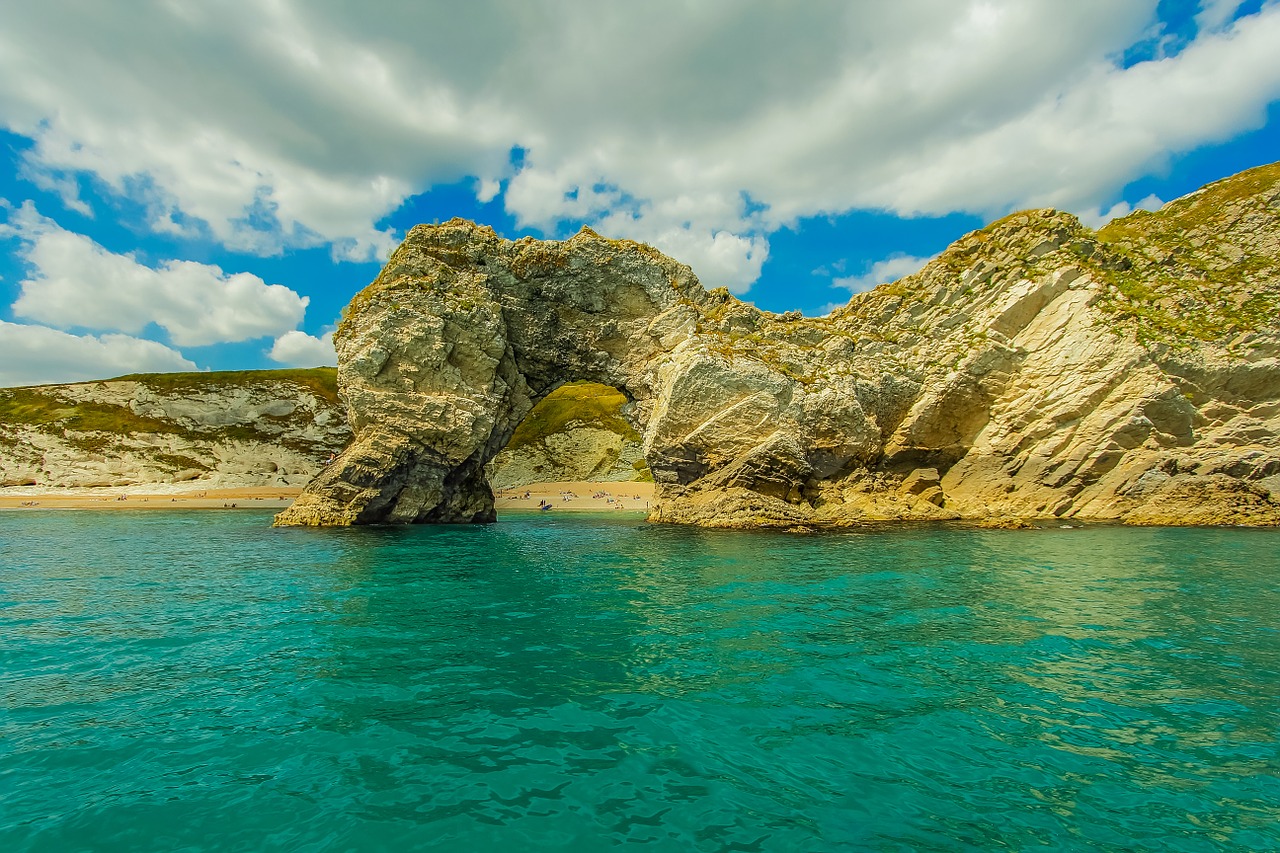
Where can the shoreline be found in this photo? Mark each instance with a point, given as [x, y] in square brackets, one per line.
[570, 496]
[624, 498]
[576, 496]
[150, 497]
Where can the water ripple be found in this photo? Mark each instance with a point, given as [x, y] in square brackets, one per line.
[203, 682]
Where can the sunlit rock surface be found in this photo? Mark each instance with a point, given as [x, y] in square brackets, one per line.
[197, 430]
[577, 432]
[1034, 369]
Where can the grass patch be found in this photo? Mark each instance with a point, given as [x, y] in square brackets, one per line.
[321, 381]
[1182, 286]
[34, 407]
[587, 403]
[1195, 211]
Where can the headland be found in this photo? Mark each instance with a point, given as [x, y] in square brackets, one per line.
[1035, 369]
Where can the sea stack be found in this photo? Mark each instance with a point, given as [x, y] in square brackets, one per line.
[1035, 369]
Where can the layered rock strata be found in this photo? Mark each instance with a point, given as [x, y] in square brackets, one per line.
[190, 431]
[1034, 369]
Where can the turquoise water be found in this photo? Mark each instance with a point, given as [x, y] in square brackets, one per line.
[200, 681]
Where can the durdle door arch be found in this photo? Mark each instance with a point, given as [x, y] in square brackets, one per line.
[998, 383]
[456, 341]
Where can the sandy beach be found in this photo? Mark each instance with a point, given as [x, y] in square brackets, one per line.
[577, 496]
[563, 497]
[118, 497]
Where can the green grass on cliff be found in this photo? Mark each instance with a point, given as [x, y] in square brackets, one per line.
[91, 425]
[1185, 285]
[35, 407]
[585, 403]
[1200, 270]
[321, 381]
[1205, 207]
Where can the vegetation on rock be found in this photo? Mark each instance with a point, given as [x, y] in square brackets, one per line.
[579, 431]
[1035, 368]
[576, 403]
[261, 427]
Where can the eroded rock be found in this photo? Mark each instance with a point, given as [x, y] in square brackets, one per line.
[1035, 369]
[204, 430]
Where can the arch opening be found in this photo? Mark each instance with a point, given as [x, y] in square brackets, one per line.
[578, 448]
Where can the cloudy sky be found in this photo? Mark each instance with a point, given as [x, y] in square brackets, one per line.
[203, 185]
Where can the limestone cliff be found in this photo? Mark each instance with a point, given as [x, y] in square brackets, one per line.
[266, 428]
[1035, 369]
[201, 430]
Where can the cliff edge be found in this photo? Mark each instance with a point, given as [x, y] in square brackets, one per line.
[1036, 368]
[195, 430]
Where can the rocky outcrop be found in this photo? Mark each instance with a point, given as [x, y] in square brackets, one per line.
[188, 430]
[265, 428]
[1034, 369]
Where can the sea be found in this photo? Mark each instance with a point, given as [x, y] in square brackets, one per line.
[199, 681]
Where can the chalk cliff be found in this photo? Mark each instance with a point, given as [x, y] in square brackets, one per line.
[235, 429]
[1034, 369]
[194, 430]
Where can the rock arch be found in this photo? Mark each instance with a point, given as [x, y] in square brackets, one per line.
[460, 336]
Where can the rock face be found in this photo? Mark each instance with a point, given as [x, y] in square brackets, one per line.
[200, 430]
[1034, 369]
[577, 432]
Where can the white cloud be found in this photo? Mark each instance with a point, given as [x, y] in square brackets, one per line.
[62, 185]
[883, 271]
[685, 228]
[1099, 218]
[76, 283]
[719, 258]
[1214, 14]
[36, 355]
[298, 349]
[487, 190]
[284, 124]
[1095, 135]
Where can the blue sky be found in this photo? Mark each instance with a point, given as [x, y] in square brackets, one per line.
[204, 186]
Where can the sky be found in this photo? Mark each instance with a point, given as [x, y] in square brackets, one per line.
[192, 185]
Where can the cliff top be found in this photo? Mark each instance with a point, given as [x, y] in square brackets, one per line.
[1204, 269]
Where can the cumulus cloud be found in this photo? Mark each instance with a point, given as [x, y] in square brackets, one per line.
[76, 283]
[291, 125]
[298, 349]
[36, 355]
[1214, 14]
[1099, 218]
[883, 271]
[719, 258]
[686, 229]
